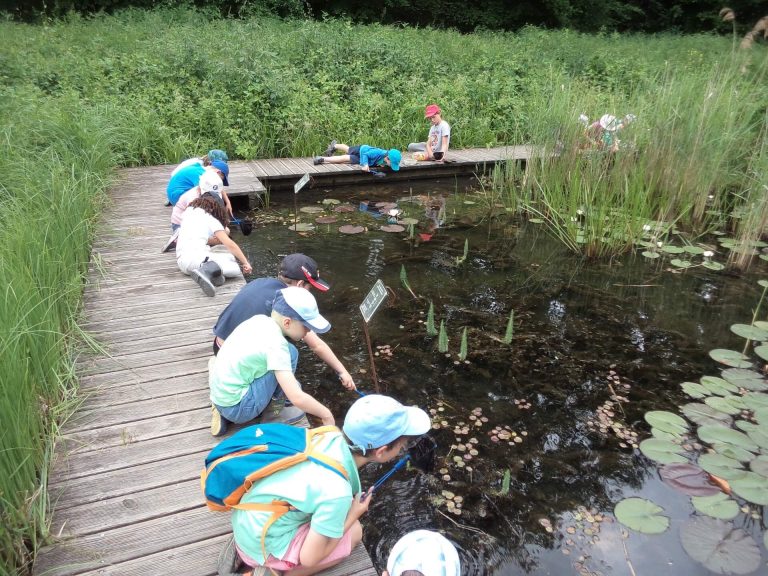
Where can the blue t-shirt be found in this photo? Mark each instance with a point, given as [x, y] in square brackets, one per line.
[182, 181]
[254, 298]
[370, 156]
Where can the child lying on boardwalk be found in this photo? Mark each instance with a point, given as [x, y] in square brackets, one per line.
[367, 157]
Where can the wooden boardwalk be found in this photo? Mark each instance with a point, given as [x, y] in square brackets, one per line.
[125, 487]
[252, 178]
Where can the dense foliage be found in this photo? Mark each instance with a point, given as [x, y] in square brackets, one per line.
[582, 15]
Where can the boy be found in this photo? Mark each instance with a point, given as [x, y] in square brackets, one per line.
[423, 553]
[324, 527]
[439, 138]
[256, 358]
[256, 298]
[189, 177]
[366, 156]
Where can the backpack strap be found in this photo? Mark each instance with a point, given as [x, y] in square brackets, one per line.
[277, 507]
[314, 436]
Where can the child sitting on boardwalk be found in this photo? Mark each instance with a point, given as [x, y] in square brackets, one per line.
[438, 139]
[257, 361]
[324, 526]
[204, 218]
[368, 157]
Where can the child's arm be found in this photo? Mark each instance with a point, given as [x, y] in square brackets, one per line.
[234, 249]
[324, 352]
[301, 399]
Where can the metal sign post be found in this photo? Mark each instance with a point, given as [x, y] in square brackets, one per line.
[296, 187]
[368, 308]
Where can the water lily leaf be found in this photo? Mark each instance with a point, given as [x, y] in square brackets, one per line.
[760, 465]
[752, 487]
[745, 379]
[311, 209]
[718, 386]
[351, 229]
[758, 433]
[749, 332]
[760, 414]
[662, 451]
[693, 249]
[409, 221]
[669, 249]
[717, 506]
[662, 435]
[641, 515]
[720, 546]
[702, 415]
[721, 434]
[732, 451]
[722, 466]
[302, 227]
[712, 265]
[331, 201]
[762, 351]
[344, 208]
[763, 283]
[666, 421]
[730, 358]
[650, 255]
[764, 257]
[326, 219]
[688, 479]
[756, 400]
[392, 228]
[727, 405]
[762, 324]
[681, 263]
[694, 390]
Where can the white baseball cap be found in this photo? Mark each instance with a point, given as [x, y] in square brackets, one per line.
[374, 421]
[428, 552]
[210, 183]
[299, 304]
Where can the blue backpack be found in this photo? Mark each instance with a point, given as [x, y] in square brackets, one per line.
[255, 452]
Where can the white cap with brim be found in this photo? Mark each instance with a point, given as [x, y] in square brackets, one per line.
[298, 304]
[428, 552]
[374, 421]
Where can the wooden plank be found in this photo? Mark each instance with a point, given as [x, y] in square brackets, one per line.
[144, 375]
[114, 396]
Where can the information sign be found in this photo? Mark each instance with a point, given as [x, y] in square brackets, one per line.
[373, 300]
[300, 184]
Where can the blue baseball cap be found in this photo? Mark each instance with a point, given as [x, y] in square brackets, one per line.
[224, 168]
[394, 159]
[217, 155]
[298, 304]
[375, 420]
[425, 551]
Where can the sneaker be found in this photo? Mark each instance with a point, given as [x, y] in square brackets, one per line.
[318, 160]
[171, 244]
[218, 280]
[331, 149]
[167, 203]
[277, 412]
[229, 560]
[218, 422]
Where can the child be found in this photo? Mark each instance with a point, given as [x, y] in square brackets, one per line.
[204, 218]
[366, 156]
[324, 527]
[256, 359]
[423, 553]
[189, 177]
[438, 139]
[210, 182]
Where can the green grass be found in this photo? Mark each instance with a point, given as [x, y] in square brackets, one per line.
[79, 97]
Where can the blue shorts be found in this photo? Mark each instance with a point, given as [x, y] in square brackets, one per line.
[354, 154]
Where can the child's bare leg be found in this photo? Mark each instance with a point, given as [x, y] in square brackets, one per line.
[356, 531]
[342, 148]
[343, 159]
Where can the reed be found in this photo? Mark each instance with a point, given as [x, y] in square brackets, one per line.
[430, 324]
[442, 338]
[509, 333]
[464, 345]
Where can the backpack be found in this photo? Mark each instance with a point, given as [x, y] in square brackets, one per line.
[235, 464]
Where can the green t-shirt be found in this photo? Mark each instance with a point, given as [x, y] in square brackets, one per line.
[255, 347]
[322, 498]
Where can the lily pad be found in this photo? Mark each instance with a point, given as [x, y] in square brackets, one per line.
[666, 421]
[662, 451]
[719, 546]
[756, 400]
[693, 249]
[695, 390]
[311, 209]
[302, 227]
[762, 351]
[662, 435]
[763, 283]
[729, 405]
[702, 414]
[688, 479]
[758, 433]
[752, 487]
[331, 201]
[762, 324]
[344, 208]
[760, 465]
[718, 386]
[409, 221]
[721, 434]
[669, 249]
[745, 379]
[749, 332]
[718, 505]
[731, 451]
[351, 229]
[680, 263]
[730, 358]
[326, 220]
[641, 515]
[392, 228]
[651, 255]
[722, 466]
[712, 265]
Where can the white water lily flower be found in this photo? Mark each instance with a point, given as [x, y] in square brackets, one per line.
[646, 228]
[708, 254]
[659, 244]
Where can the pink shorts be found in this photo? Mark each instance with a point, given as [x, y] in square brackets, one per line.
[291, 559]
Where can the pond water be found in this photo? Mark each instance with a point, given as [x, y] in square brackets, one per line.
[626, 332]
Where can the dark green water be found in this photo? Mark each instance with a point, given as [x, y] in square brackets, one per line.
[576, 324]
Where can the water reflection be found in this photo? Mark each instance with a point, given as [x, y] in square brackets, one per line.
[575, 323]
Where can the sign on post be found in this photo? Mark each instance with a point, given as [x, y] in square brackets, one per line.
[300, 184]
[373, 300]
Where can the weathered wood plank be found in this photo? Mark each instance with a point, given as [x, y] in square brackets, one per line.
[144, 375]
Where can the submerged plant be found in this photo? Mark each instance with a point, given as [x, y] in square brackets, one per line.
[463, 346]
[404, 281]
[509, 333]
[463, 258]
[442, 339]
[431, 330]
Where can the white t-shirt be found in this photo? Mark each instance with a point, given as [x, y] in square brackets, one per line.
[436, 134]
[192, 245]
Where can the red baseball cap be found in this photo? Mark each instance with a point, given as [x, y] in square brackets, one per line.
[431, 110]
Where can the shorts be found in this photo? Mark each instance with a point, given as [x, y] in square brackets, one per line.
[354, 154]
[291, 559]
